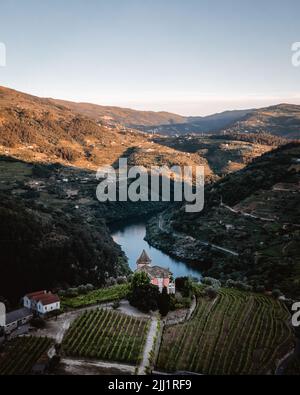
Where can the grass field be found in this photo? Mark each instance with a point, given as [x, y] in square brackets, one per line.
[101, 295]
[107, 335]
[237, 333]
[21, 354]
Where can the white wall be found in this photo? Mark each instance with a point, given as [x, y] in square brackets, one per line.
[47, 309]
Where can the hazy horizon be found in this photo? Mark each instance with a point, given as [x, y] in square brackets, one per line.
[225, 109]
[189, 58]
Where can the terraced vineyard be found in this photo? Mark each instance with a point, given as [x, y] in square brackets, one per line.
[107, 335]
[237, 333]
[21, 354]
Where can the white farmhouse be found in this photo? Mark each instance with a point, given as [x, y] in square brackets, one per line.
[41, 302]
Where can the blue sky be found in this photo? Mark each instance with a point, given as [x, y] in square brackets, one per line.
[192, 57]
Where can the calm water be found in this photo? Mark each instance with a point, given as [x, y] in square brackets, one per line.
[131, 238]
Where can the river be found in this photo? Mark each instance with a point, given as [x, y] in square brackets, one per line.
[131, 238]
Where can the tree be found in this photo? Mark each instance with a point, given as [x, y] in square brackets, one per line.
[139, 279]
[164, 302]
[143, 295]
[185, 286]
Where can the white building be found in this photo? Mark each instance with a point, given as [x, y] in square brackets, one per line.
[16, 319]
[42, 302]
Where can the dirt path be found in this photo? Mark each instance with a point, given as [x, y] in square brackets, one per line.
[149, 346]
[56, 328]
[163, 228]
[91, 367]
[247, 215]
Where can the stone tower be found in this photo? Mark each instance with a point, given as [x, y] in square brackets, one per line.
[143, 260]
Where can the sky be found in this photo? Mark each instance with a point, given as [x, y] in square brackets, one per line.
[192, 57]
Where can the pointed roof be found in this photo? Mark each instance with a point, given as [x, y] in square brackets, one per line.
[144, 259]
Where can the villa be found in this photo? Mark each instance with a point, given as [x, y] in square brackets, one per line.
[159, 276]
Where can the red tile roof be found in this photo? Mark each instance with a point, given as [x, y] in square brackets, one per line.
[33, 294]
[155, 271]
[48, 299]
[44, 297]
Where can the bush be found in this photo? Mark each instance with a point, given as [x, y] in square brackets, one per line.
[143, 295]
[121, 280]
[211, 282]
[276, 293]
[89, 287]
[211, 292]
[239, 285]
[82, 290]
[72, 292]
[62, 293]
[111, 281]
[185, 286]
[139, 279]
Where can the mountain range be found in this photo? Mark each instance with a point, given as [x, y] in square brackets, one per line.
[281, 120]
[50, 149]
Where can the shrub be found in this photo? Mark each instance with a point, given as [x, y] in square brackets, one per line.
[82, 290]
[143, 295]
[111, 281]
[89, 287]
[276, 293]
[211, 292]
[62, 293]
[121, 280]
[185, 286]
[211, 282]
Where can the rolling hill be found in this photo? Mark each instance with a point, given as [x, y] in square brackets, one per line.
[249, 229]
[41, 130]
[125, 116]
[282, 120]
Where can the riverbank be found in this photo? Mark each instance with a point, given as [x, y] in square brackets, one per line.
[132, 239]
[194, 253]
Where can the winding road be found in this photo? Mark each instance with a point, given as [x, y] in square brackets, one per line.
[163, 228]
